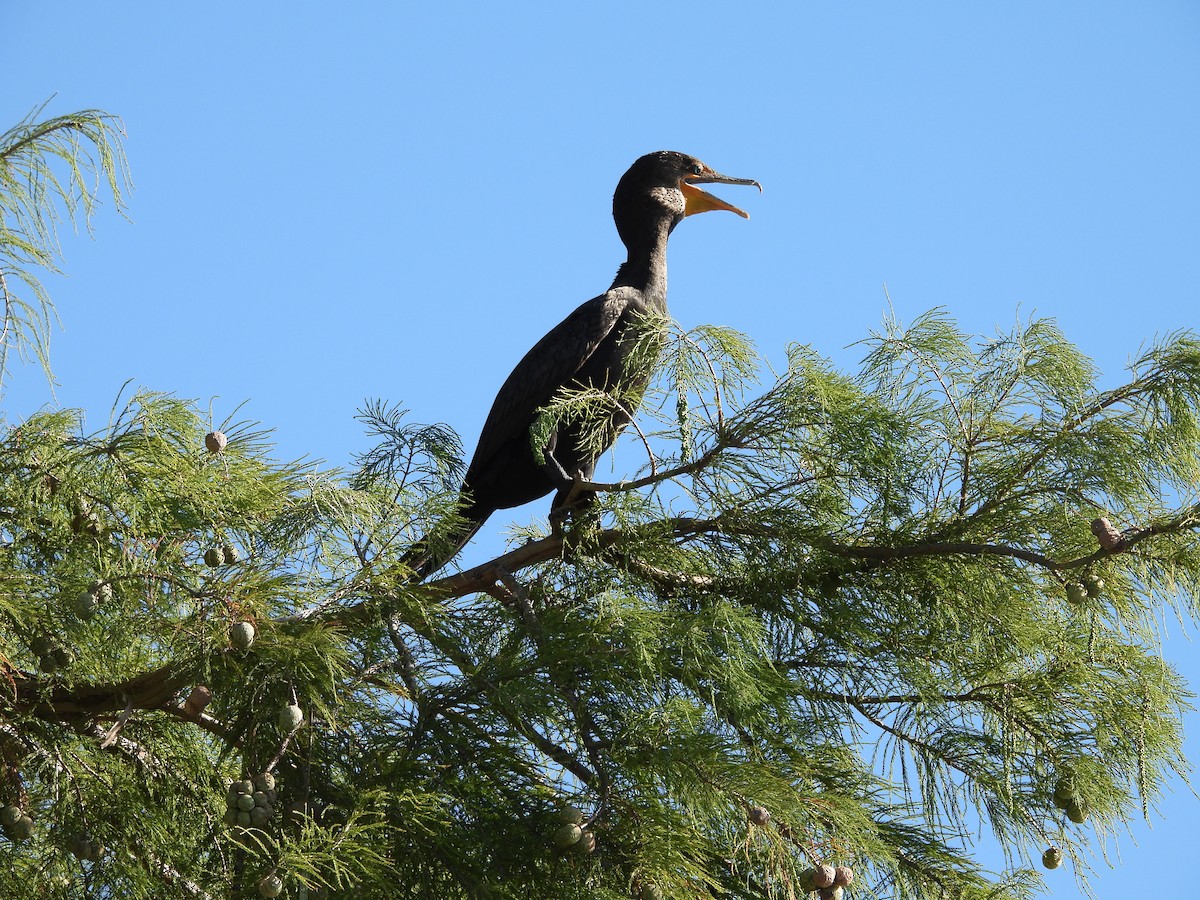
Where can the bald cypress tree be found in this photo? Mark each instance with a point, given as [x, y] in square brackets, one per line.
[835, 620]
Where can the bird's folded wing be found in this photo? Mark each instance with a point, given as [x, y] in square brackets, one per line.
[551, 364]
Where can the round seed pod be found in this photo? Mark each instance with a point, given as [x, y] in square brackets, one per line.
[833, 892]
[215, 442]
[62, 657]
[48, 663]
[270, 886]
[231, 554]
[649, 892]
[1064, 791]
[1110, 537]
[806, 881]
[843, 876]
[586, 843]
[1052, 858]
[567, 835]
[260, 798]
[570, 815]
[80, 846]
[214, 556]
[264, 782]
[291, 717]
[242, 787]
[85, 520]
[259, 817]
[102, 589]
[759, 815]
[823, 876]
[22, 830]
[10, 815]
[85, 606]
[245, 802]
[1094, 585]
[41, 645]
[1077, 812]
[243, 819]
[231, 816]
[197, 700]
[1076, 593]
[241, 635]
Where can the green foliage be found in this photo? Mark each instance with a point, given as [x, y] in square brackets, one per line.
[49, 168]
[596, 413]
[839, 598]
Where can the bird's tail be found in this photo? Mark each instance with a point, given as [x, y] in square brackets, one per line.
[438, 547]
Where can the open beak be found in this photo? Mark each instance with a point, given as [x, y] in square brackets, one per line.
[698, 201]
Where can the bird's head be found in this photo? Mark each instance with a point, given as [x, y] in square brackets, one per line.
[663, 185]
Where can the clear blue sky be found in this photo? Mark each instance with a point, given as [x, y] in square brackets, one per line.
[396, 201]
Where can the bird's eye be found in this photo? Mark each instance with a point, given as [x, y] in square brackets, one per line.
[697, 169]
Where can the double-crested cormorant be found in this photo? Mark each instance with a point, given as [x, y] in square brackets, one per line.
[588, 349]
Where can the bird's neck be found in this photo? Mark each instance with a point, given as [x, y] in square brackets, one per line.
[645, 269]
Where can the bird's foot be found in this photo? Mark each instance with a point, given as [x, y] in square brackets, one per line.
[558, 520]
[575, 503]
[574, 495]
[557, 474]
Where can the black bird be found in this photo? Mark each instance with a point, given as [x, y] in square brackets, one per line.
[590, 348]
